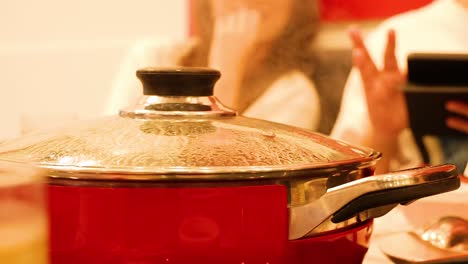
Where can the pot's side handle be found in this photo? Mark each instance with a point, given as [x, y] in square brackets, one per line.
[394, 196]
[346, 200]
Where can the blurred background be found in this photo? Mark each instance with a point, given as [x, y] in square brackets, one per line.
[72, 49]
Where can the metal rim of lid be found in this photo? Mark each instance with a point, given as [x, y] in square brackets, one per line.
[198, 173]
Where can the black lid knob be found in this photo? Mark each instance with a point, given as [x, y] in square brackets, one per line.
[178, 81]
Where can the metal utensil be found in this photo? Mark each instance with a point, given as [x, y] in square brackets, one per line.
[448, 232]
[445, 241]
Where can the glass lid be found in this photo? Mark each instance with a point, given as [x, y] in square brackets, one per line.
[179, 127]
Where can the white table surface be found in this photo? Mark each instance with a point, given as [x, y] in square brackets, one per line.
[392, 222]
[427, 209]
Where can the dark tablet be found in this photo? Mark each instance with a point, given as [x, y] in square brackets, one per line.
[438, 69]
[434, 79]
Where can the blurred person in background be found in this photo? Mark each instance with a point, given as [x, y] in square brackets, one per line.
[373, 111]
[262, 49]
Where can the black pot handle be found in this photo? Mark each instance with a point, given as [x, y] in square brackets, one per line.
[401, 195]
[346, 200]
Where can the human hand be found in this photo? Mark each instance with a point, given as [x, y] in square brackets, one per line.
[385, 101]
[458, 123]
[233, 39]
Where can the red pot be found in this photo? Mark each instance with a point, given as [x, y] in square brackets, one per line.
[189, 225]
[182, 179]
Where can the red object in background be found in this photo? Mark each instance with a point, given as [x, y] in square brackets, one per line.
[350, 10]
[346, 10]
[230, 225]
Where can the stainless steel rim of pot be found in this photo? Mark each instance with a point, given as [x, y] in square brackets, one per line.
[205, 174]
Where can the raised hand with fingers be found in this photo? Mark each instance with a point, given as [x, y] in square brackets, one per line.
[385, 100]
[233, 42]
[234, 37]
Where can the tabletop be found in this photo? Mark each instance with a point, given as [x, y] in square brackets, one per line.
[409, 218]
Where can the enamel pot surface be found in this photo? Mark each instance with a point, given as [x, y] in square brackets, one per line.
[180, 178]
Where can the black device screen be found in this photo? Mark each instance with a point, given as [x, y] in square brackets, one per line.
[433, 80]
[438, 69]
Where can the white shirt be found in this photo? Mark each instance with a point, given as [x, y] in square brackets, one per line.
[441, 26]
